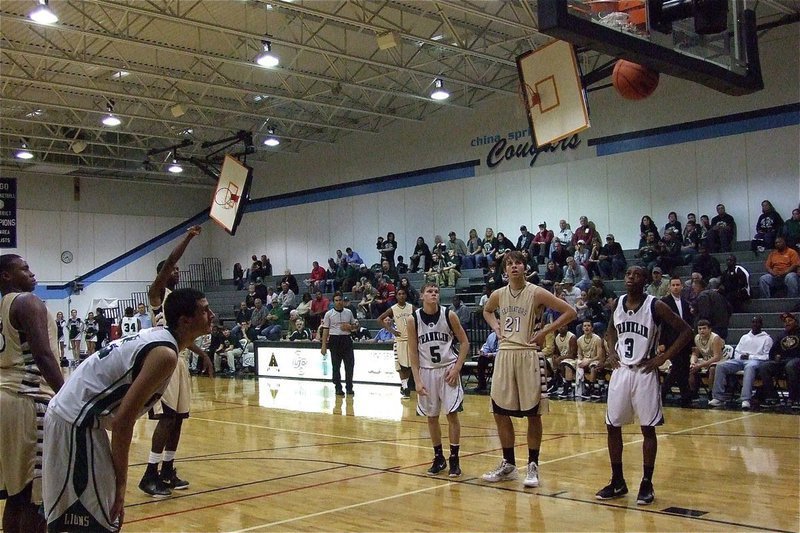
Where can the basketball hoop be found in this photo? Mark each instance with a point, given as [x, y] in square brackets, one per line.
[530, 98]
[225, 198]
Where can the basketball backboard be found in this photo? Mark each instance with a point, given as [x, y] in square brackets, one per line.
[712, 42]
[552, 92]
[231, 194]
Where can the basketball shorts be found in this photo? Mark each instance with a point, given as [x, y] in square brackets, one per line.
[633, 393]
[570, 363]
[441, 395]
[401, 355]
[519, 383]
[21, 422]
[79, 482]
[178, 395]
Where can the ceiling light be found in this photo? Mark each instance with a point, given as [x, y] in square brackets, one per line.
[78, 146]
[439, 92]
[111, 119]
[266, 58]
[42, 14]
[24, 153]
[120, 74]
[186, 132]
[175, 168]
[35, 113]
[272, 140]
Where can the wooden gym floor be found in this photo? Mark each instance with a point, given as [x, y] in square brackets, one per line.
[282, 455]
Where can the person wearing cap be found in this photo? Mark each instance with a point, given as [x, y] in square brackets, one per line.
[658, 287]
[611, 259]
[784, 360]
[386, 296]
[456, 248]
[570, 292]
[525, 239]
[578, 273]
[540, 247]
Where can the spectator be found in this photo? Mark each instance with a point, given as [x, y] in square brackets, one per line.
[679, 364]
[707, 352]
[670, 255]
[734, 284]
[365, 272]
[502, 246]
[332, 273]
[489, 245]
[611, 259]
[401, 267]
[289, 278]
[412, 295]
[359, 332]
[352, 257]
[494, 277]
[552, 276]
[300, 332]
[422, 254]
[258, 316]
[672, 223]
[648, 252]
[708, 266]
[791, 230]
[228, 349]
[317, 278]
[261, 289]
[304, 307]
[389, 248]
[273, 331]
[443, 272]
[571, 293]
[238, 276]
[525, 239]
[319, 306]
[560, 254]
[540, 247]
[583, 232]
[439, 247]
[647, 226]
[487, 354]
[751, 353]
[606, 293]
[143, 316]
[590, 355]
[691, 241]
[705, 228]
[255, 268]
[564, 235]
[578, 274]
[782, 265]
[385, 333]
[269, 298]
[487, 291]
[102, 327]
[769, 226]
[582, 254]
[565, 350]
[785, 355]
[368, 295]
[388, 271]
[347, 274]
[475, 257]
[722, 231]
[463, 312]
[251, 294]
[243, 314]
[266, 267]
[456, 249]
[340, 257]
[286, 298]
[710, 305]
[385, 298]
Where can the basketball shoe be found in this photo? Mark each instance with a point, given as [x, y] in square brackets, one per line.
[612, 490]
[505, 471]
[646, 494]
[455, 469]
[439, 464]
[405, 393]
[171, 480]
[153, 486]
[532, 477]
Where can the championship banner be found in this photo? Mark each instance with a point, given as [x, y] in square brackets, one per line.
[8, 212]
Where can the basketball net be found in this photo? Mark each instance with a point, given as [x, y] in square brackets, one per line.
[529, 97]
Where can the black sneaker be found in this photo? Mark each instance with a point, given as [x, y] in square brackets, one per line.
[351, 393]
[340, 392]
[439, 464]
[154, 487]
[405, 393]
[455, 469]
[646, 494]
[172, 481]
[612, 490]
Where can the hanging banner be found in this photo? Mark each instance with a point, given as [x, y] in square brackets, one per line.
[8, 212]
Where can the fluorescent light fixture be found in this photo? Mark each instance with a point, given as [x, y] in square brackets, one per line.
[439, 92]
[24, 153]
[42, 14]
[110, 119]
[35, 113]
[120, 74]
[175, 168]
[186, 131]
[266, 58]
[272, 140]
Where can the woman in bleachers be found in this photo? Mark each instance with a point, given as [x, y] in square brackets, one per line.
[411, 293]
[672, 222]
[238, 276]
[489, 245]
[502, 246]
[421, 253]
[475, 257]
[647, 226]
[552, 276]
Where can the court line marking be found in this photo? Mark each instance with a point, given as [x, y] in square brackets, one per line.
[343, 508]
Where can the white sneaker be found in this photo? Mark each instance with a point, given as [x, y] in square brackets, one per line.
[745, 404]
[714, 403]
[504, 472]
[532, 478]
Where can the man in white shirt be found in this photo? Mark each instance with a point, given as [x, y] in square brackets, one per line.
[751, 352]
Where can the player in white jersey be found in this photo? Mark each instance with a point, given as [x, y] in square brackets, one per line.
[129, 324]
[634, 389]
[401, 313]
[519, 376]
[437, 372]
[173, 406]
[85, 475]
[29, 373]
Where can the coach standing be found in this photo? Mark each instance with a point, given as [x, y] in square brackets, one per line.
[336, 327]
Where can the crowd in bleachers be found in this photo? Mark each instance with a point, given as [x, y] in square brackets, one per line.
[575, 265]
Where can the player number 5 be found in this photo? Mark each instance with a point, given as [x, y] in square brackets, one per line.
[435, 355]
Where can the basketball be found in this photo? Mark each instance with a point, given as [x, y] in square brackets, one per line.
[633, 81]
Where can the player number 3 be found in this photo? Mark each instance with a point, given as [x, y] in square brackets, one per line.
[628, 349]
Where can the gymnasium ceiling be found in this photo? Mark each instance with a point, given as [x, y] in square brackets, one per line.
[184, 69]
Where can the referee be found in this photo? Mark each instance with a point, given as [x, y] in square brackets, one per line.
[336, 327]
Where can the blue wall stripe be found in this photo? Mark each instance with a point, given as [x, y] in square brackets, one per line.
[380, 184]
[694, 131]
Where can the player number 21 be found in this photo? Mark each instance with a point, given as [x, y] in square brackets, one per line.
[512, 324]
